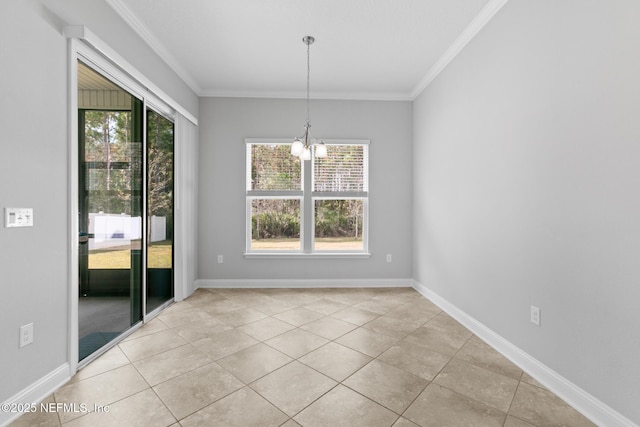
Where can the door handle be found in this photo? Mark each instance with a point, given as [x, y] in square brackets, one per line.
[83, 238]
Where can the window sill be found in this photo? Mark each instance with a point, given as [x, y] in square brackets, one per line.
[315, 255]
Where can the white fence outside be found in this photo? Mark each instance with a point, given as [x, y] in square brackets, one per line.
[112, 230]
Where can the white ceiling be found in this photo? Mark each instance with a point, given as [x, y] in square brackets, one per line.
[364, 49]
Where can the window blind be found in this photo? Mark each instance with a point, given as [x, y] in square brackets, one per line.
[274, 168]
[342, 170]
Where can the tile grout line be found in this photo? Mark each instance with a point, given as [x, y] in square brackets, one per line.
[397, 341]
[300, 303]
[512, 399]
[338, 383]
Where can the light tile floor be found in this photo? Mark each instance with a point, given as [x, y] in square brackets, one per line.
[314, 357]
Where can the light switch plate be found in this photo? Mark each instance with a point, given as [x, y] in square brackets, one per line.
[18, 217]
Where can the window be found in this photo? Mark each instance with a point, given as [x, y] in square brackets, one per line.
[313, 207]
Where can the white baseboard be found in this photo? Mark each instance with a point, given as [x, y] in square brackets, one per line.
[304, 283]
[589, 406]
[36, 392]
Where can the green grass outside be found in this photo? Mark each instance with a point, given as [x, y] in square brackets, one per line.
[321, 243]
[159, 256]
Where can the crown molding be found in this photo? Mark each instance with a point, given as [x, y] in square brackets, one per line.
[344, 96]
[477, 24]
[120, 7]
[483, 17]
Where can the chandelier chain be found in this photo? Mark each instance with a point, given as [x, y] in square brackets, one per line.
[301, 147]
[308, 76]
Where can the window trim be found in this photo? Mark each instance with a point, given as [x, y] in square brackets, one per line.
[307, 197]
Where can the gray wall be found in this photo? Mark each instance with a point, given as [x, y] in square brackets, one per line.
[226, 122]
[34, 272]
[527, 160]
[525, 150]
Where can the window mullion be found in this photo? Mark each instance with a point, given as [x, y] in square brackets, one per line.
[340, 194]
[306, 229]
[274, 194]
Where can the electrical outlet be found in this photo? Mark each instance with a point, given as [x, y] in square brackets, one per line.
[26, 335]
[535, 315]
[220, 259]
[389, 258]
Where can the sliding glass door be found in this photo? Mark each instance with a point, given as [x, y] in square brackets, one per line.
[126, 205]
[160, 132]
[110, 210]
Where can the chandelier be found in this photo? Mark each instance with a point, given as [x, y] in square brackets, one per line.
[301, 147]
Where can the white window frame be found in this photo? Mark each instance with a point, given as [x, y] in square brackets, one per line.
[307, 199]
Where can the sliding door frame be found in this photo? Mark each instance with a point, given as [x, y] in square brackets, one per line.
[86, 47]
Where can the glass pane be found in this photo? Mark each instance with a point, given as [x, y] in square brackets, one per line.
[274, 168]
[275, 224]
[110, 183]
[110, 210]
[160, 210]
[341, 170]
[338, 225]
